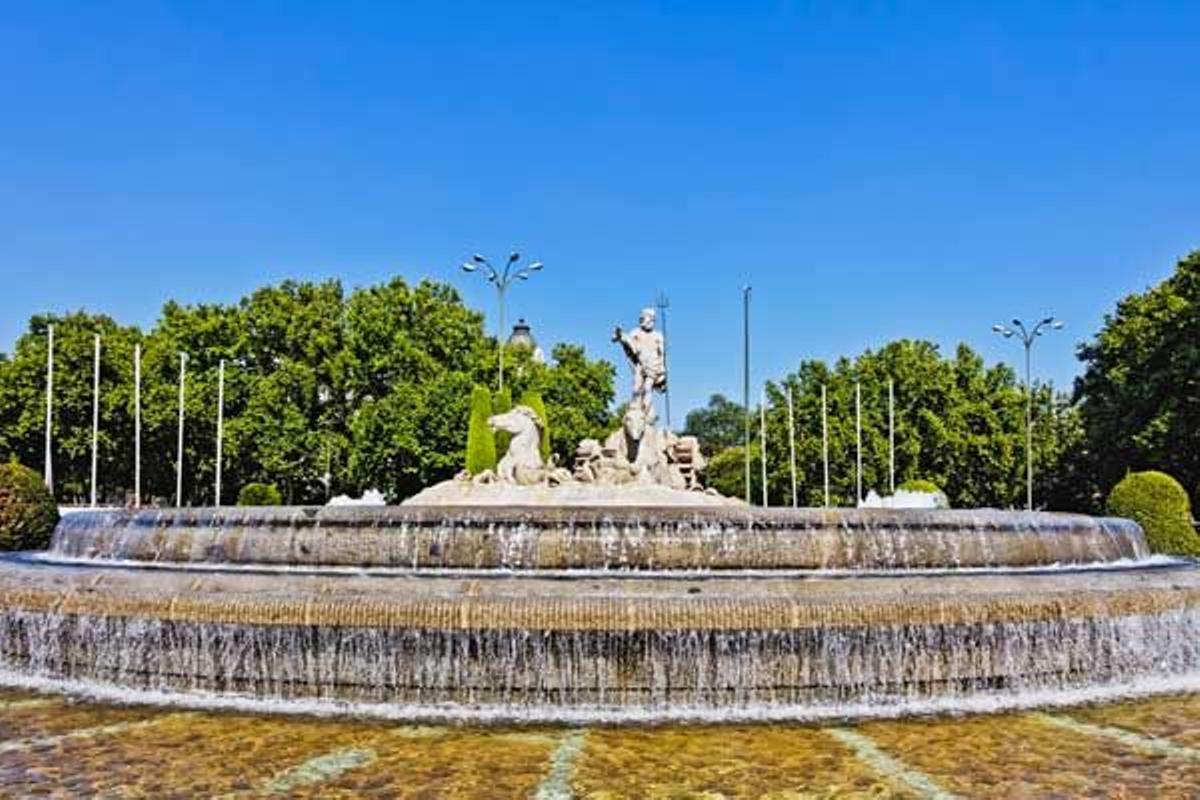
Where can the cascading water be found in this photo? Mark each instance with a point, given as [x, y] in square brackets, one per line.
[636, 539]
[645, 613]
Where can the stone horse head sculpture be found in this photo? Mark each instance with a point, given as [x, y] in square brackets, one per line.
[642, 446]
[523, 462]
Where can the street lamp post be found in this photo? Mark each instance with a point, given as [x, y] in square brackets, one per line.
[501, 279]
[1028, 336]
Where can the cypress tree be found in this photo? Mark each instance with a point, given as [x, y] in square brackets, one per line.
[481, 447]
[502, 403]
[534, 400]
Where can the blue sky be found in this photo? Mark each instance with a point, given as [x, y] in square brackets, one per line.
[875, 170]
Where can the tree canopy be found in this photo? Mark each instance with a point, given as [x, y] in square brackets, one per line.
[1139, 395]
[959, 424]
[325, 392]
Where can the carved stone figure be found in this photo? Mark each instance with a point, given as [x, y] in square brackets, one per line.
[639, 461]
[523, 462]
[646, 352]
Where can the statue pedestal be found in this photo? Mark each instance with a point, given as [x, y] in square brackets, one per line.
[465, 493]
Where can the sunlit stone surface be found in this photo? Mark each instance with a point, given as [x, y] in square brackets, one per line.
[599, 614]
[57, 746]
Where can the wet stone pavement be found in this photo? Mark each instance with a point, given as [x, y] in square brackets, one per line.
[52, 746]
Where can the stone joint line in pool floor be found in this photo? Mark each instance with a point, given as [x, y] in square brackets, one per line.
[891, 768]
[1136, 741]
[24, 745]
[557, 783]
[320, 769]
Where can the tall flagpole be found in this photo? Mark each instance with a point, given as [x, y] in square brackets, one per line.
[858, 443]
[891, 436]
[95, 414]
[792, 439]
[179, 455]
[49, 470]
[220, 427]
[762, 435]
[137, 425]
[825, 439]
[746, 379]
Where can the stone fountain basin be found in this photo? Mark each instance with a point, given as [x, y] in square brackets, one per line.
[598, 538]
[535, 648]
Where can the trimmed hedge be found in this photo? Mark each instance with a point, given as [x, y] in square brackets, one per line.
[922, 486]
[535, 402]
[919, 485]
[259, 494]
[1158, 503]
[28, 512]
[481, 444]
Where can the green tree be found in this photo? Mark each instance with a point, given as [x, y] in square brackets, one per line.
[578, 394]
[325, 392]
[726, 472]
[1140, 391]
[720, 425]
[533, 400]
[23, 403]
[481, 446]
[501, 404]
[959, 424]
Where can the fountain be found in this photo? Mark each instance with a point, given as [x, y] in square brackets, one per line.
[618, 590]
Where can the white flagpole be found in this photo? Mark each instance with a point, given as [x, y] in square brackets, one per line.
[137, 425]
[95, 415]
[825, 439]
[49, 470]
[762, 421]
[892, 436]
[792, 439]
[179, 455]
[858, 443]
[220, 427]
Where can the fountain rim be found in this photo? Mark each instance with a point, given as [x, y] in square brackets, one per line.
[976, 519]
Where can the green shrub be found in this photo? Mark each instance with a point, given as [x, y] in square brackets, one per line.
[919, 485]
[1160, 505]
[259, 494]
[502, 403]
[534, 401]
[925, 487]
[726, 472]
[28, 512]
[481, 445]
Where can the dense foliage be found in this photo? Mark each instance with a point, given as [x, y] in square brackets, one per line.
[919, 485]
[329, 393]
[959, 424]
[1158, 503]
[28, 513]
[1140, 392]
[259, 494]
[501, 402]
[326, 392]
[481, 445]
[533, 401]
[719, 425]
